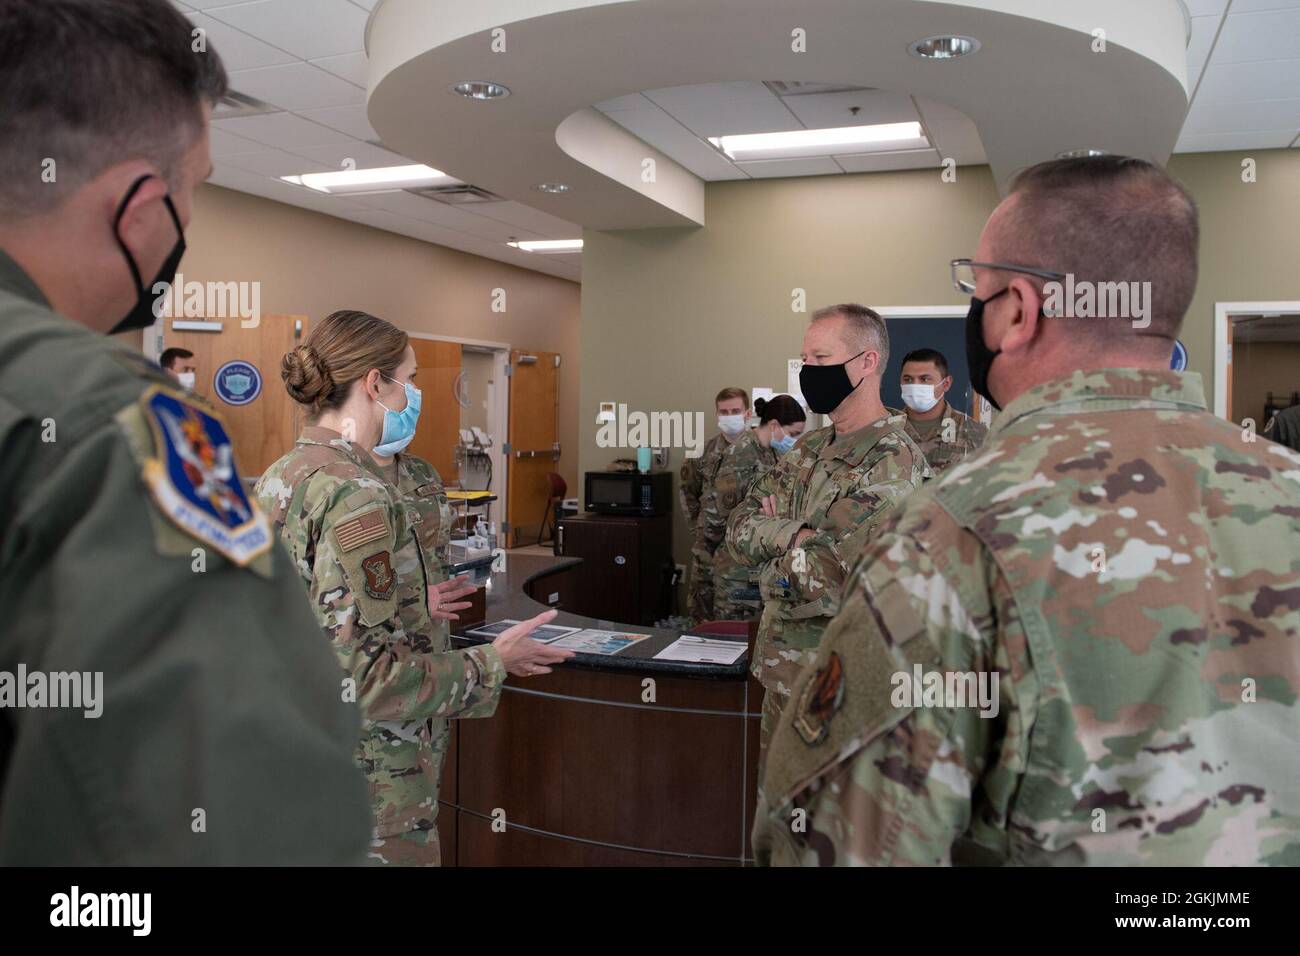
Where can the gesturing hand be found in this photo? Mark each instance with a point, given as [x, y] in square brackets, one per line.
[525, 657]
[444, 598]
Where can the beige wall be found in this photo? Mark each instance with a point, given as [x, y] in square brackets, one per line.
[1259, 368]
[313, 264]
[671, 315]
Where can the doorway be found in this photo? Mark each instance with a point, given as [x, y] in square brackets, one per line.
[1257, 360]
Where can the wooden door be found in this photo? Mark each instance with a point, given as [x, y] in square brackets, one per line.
[260, 416]
[1227, 383]
[438, 430]
[533, 440]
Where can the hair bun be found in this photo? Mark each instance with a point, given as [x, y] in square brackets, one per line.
[306, 378]
[759, 405]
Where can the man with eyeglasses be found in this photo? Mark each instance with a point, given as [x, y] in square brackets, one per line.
[1081, 645]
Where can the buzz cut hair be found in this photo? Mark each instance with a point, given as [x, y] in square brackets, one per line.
[928, 355]
[88, 84]
[1107, 219]
[864, 329]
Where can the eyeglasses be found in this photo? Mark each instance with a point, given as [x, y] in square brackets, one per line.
[963, 273]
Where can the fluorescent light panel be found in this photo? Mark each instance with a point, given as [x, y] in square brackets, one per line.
[837, 141]
[380, 179]
[548, 245]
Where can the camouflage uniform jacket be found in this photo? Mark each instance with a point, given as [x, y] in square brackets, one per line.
[356, 542]
[422, 489]
[691, 478]
[1129, 568]
[840, 490]
[739, 466]
[964, 436]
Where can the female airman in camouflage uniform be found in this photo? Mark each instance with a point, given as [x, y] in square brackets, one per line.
[367, 556]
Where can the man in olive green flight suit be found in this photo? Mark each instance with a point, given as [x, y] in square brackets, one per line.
[133, 566]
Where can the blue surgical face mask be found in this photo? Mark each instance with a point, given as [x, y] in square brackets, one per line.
[399, 427]
[784, 443]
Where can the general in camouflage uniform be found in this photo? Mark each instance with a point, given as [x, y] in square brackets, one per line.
[1148, 662]
[694, 476]
[947, 439]
[736, 595]
[368, 552]
[841, 488]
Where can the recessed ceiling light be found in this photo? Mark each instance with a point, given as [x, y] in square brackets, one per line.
[551, 246]
[381, 179]
[481, 90]
[552, 187]
[1077, 153]
[944, 47]
[839, 140]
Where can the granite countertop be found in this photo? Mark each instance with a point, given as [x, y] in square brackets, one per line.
[506, 600]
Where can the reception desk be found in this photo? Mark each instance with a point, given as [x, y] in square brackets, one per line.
[607, 761]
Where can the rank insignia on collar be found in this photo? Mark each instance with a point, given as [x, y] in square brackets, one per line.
[380, 579]
[194, 481]
[821, 698]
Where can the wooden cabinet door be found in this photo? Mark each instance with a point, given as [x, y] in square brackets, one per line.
[262, 419]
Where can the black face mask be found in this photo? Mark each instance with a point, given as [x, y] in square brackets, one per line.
[979, 357]
[142, 315]
[824, 387]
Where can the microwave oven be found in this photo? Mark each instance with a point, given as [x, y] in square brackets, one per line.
[629, 492]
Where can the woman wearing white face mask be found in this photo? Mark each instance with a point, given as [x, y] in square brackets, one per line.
[378, 592]
[781, 420]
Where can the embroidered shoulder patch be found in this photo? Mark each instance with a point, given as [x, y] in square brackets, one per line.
[820, 699]
[361, 530]
[380, 579]
[193, 480]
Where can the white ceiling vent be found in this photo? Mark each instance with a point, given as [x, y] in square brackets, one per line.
[235, 104]
[795, 88]
[460, 194]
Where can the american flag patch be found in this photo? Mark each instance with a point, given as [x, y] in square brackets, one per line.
[362, 529]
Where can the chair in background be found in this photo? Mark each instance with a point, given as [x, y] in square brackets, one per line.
[558, 489]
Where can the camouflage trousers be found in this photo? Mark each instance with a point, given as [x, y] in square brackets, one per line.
[736, 598]
[413, 848]
[770, 716]
[699, 593]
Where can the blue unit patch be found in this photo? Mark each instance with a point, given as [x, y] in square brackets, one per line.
[237, 382]
[194, 480]
[1178, 361]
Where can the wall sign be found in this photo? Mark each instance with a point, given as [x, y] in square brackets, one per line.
[237, 382]
[1178, 361]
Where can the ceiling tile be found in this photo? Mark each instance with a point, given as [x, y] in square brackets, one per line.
[1214, 142]
[881, 162]
[773, 168]
[284, 130]
[306, 28]
[1252, 6]
[366, 155]
[461, 220]
[353, 67]
[738, 116]
[828, 110]
[670, 137]
[635, 101]
[225, 143]
[526, 217]
[1250, 37]
[297, 86]
[346, 119]
[1209, 117]
[1198, 49]
[275, 163]
[1247, 82]
[673, 98]
[238, 50]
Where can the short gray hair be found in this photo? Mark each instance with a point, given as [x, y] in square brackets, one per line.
[864, 328]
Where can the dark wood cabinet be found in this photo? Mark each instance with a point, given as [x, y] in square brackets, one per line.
[626, 566]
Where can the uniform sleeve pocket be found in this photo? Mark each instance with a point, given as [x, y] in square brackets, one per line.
[363, 550]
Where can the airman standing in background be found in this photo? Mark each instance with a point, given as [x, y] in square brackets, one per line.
[945, 435]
